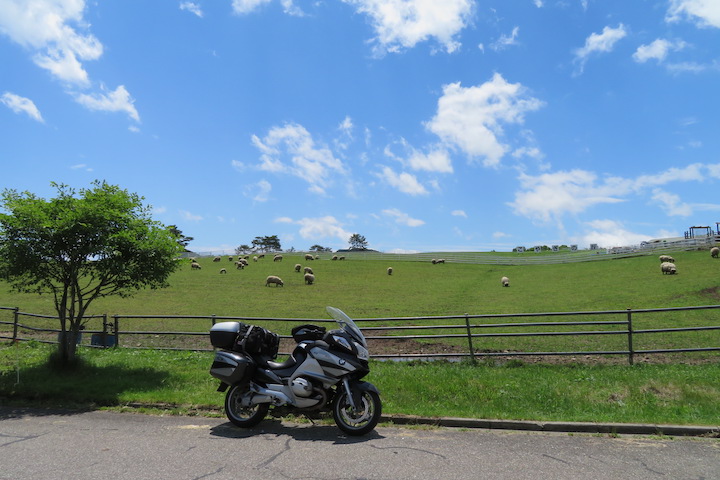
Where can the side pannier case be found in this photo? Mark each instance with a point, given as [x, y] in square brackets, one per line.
[231, 368]
[224, 334]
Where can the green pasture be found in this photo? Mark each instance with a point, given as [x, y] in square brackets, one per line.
[362, 288]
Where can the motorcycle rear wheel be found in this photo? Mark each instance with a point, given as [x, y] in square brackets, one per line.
[360, 421]
[239, 415]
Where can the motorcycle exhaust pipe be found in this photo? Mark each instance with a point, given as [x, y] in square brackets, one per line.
[265, 395]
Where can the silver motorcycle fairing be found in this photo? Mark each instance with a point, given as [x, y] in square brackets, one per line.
[320, 367]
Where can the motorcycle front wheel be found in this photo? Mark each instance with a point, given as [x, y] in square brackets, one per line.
[357, 421]
[239, 415]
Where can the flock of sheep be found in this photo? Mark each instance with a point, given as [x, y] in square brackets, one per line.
[667, 266]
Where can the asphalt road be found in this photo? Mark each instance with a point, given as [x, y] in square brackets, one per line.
[38, 444]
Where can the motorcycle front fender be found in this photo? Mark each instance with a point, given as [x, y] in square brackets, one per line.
[357, 388]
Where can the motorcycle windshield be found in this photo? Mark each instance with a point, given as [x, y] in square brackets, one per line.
[347, 325]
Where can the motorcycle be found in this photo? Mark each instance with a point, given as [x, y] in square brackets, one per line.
[322, 374]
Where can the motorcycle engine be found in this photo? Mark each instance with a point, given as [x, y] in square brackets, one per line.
[301, 387]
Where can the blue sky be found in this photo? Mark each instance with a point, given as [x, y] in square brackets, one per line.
[423, 125]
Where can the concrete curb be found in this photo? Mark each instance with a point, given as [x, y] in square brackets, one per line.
[569, 427]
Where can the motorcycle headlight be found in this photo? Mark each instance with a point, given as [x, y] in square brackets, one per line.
[362, 354]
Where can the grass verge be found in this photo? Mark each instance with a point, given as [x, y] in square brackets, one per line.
[664, 394]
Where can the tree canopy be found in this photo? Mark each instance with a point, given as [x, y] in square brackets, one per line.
[358, 241]
[81, 246]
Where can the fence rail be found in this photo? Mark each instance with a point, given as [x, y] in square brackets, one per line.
[468, 328]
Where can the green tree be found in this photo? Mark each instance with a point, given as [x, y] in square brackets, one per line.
[320, 248]
[358, 241]
[81, 246]
[242, 249]
[182, 239]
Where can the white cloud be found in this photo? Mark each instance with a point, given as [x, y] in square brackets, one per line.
[404, 182]
[549, 196]
[19, 104]
[506, 40]
[671, 203]
[608, 234]
[402, 218]
[291, 149]
[599, 42]
[318, 228]
[458, 213]
[246, 6]
[49, 28]
[472, 118]
[192, 7]
[259, 192]
[118, 100]
[402, 24]
[500, 235]
[706, 13]
[190, 216]
[81, 166]
[657, 50]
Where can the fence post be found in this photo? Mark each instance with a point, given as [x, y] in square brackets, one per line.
[116, 319]
[469, 334]
[16, 319]
[213, 319]
[631, 352]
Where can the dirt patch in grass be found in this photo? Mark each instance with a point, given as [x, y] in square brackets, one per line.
[712, 293]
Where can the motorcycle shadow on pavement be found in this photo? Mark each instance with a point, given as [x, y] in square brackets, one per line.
[317, 432]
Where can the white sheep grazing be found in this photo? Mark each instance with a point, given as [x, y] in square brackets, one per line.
[309, 278]
[230, 259]
[297, 267]
[262, 255]
[714, 252]
[217, 259]
[389, 270]
[240, 265]
[308, 270]
[195, 266]
[668, 268]
[341, 257]
[275, 280]
[433, 261]
[277, 258]
[309, 257]
[334, 257]
[505, 282]
[666, 258]
[222, 270]
[441, 260]
[317, 257]
[244, 262]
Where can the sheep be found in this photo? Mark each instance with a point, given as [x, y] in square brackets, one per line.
[714, 252]
[230, 259]
[666, 258]
[274, 279]
[505, 281]
[244, 262]
[298, 267]
[255, 259]
[334, 257]
[240, 265]
[440, 260]
[309, 278]
[217, 259]
[308, 270]
[433, 261]
[341, 257]
[309, 257]
[222, 270]
[668, 268]
[195, 266]
[262, 255]
[277, 258]
[317, 257]
[389, 270]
